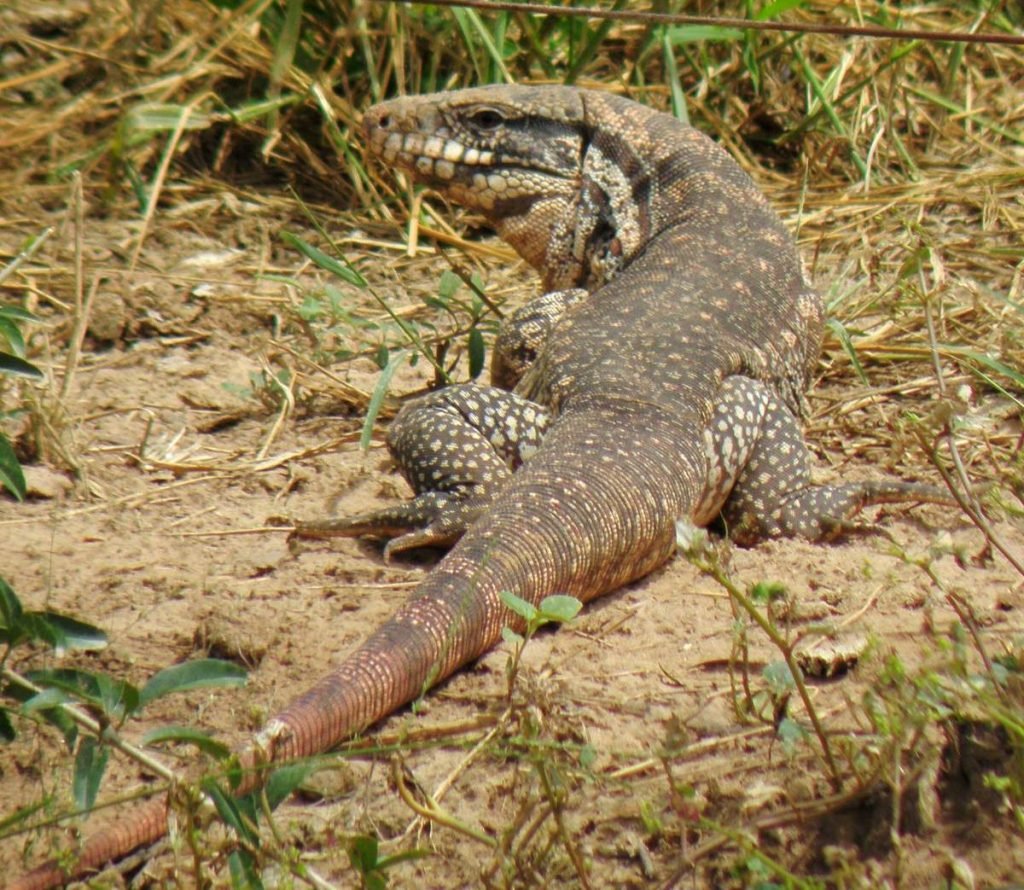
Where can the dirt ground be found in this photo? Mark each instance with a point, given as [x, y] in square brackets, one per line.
[167, 540]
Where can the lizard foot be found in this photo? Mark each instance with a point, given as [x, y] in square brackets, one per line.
[431, 519]
[825, 512]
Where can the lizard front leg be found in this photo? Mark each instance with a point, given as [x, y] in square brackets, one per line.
[523, 334]
[456, 447]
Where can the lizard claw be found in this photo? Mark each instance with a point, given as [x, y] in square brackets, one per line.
[431, 519]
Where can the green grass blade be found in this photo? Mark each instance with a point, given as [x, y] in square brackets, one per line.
[11, 475]
[843, 336]
[197, 674]
[377, 398]
[18, 367]
[674, 83]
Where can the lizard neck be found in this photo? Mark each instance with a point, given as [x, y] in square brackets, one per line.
[638, 173]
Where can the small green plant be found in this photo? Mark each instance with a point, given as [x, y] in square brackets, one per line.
[757, 605]
[72, 699]
[13, 363]
[398, 339]
[270, 389]
[555, 609]
[364, 854]
[242, 815]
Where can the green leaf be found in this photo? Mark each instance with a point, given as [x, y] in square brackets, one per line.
[90, 764]
[10, 606]
[256, 109]
[774, 10]
[243, 871]
[698, 33]
[285, 42]
[11, 476]
[197, 674]
[448, 285]
[404, 856]
[118, 698]
[843, 336]
[343, 270]
[997, 366]
[284, 780]
[477, 353]
[17, 312]
[7, 733]
[519, 606]
[791, 734]
[362, 853]
[377, 398]
[45, 700]
[60, 632]
[511, 637]
[157, 117]
[229, 812]
[114, 698]
[559, 607]
[778, 677]
[767, 591]
[20, 816]
[187, 735]
[33, 627]
[11, 364]
[10, 331]
[72, 634]
[672, 78]
[51, 714]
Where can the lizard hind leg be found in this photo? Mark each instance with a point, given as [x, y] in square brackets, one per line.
[774, 496]
[456, 447]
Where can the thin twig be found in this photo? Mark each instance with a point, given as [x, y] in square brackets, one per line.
[25, 253]
[105, 733]
[665, 18]
[963, 493]
[432, 811]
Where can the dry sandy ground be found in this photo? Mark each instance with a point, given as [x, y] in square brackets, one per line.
[166, 542]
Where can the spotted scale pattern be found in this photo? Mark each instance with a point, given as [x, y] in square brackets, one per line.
[456, 447]
[759, 476]
[459, 445]
[524, 334]
[772, 487]
[693, 282]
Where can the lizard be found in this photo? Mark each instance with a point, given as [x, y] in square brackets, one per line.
[658, 380]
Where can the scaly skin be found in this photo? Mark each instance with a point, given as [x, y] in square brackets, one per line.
[693, 279]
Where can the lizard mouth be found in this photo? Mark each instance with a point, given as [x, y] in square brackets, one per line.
[435, 158]
[433, 155]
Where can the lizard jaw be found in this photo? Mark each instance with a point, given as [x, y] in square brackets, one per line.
[453, 148]
[482, 156]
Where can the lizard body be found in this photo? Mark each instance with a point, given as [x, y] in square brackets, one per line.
[660, 379]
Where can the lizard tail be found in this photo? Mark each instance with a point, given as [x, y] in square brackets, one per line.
[145, 824]
[424, 642]
[564, 524]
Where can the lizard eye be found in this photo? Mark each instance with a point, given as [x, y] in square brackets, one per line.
[487, 118]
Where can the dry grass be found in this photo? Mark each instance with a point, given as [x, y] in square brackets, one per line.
[920, 142]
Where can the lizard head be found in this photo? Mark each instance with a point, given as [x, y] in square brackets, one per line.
[512, 153]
